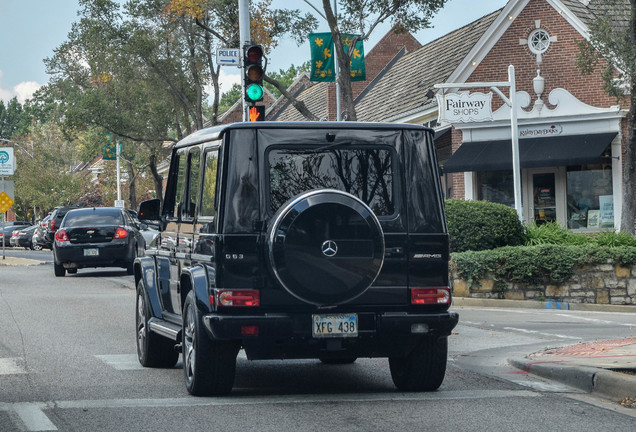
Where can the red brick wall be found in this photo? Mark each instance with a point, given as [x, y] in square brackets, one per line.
[558, 66]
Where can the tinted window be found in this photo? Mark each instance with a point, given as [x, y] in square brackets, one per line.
[193, 188]
[93, 217]
[366, 173]
[209, 183]
[178, 200]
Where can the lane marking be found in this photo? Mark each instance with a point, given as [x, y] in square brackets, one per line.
[598, 321]
[121, 361]
[11, 366]
[33, 417]
[560, 336]
[282, 399]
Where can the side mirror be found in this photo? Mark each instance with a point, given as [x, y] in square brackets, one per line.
[150, 210]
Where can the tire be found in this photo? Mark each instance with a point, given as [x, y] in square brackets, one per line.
[153, 350]
[338, 361]
[36, 247]
[208, 366]
[325, 247]
[59, 270]
[424, 368]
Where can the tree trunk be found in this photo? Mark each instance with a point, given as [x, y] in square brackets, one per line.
[158, 180]
[344, 75]
[628, 214]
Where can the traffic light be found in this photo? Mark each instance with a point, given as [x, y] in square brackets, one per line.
[253, 69]
[256, 113]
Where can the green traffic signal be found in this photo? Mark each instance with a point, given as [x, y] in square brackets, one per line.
[255, 92]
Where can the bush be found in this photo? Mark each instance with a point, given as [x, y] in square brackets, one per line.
[482, 225]
[537, 265]
[553, 233]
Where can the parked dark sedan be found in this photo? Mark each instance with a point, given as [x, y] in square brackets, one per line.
[23, 237]
[7, 232]
[96, 237]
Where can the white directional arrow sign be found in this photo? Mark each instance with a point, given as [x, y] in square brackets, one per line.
[228, 57]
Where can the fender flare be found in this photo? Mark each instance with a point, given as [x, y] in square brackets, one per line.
[197, 277]
[145, 269]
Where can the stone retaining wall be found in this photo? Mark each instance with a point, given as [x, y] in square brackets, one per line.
[598, 284]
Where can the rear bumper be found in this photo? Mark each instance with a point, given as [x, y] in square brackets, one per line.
[109, 255]
[290, 335]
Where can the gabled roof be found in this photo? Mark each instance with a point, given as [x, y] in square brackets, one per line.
[403, 88]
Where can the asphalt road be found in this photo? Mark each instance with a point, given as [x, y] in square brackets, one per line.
[68, 363]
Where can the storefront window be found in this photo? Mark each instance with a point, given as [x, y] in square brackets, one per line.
[496, 186]
[590, 200]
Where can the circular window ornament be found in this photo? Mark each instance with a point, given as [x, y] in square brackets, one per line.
[539, 41]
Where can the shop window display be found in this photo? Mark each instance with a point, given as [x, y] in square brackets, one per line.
[590, 201]
[496, 186]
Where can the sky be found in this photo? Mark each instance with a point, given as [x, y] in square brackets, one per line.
[30, 30]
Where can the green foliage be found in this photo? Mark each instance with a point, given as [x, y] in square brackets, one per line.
[229, 98]
[287, 77]
[537, 265]
[552, 233]
[480, 225]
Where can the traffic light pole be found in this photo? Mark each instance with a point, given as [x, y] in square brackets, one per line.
[244, 35]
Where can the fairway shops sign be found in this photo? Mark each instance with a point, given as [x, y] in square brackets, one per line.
[464, 107]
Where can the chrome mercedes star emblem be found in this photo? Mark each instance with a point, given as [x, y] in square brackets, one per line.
[329, 248]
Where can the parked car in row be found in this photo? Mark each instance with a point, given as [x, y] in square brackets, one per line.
[54, 222]
[7, 232]
[24, 238]
[40, 240]
[96, 237]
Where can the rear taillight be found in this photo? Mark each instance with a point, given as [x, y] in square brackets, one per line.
[120, 233]
[14, 234]
[430, 296]
[53, 225]
[238, 298]
[61, 236]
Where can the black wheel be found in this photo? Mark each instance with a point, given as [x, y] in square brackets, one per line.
[326, 247]
[153, 350]
[72, 271]
[59, 269]
[209, 366]
[424, 368]
[130, 267]
[36, 247]
[338, 361]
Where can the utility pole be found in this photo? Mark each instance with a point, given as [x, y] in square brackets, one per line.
[244, 35]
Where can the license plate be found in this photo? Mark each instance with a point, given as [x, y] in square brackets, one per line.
[91, 252]
[337, 325]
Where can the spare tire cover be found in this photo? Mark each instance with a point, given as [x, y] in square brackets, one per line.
[325, 246]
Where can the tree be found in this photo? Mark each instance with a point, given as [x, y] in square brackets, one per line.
[362, 17]
[219, 19]
[612, 44]
[287, 77]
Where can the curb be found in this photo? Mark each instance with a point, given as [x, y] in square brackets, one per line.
[534, 304]
[612, 385]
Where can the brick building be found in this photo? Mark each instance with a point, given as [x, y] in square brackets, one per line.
[571, 133]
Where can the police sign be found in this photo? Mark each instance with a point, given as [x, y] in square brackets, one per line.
[7, 161]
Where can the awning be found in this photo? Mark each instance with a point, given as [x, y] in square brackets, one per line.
[533, 153]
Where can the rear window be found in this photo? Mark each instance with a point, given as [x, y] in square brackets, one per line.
[93, 217]
[365, 172]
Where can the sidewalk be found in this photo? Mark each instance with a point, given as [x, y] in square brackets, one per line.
[13, 261]
[607, 368]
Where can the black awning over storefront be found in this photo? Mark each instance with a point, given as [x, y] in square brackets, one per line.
[533, 153]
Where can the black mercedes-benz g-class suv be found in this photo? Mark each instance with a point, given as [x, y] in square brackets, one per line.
[293, 241]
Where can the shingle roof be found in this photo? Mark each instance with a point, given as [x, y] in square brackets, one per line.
[586, 11]
[315, 100]
[395, 93]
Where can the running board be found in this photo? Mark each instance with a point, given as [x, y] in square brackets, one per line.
[165, 329]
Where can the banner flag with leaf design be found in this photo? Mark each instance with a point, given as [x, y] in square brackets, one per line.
[322, 60]
[110, 150]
